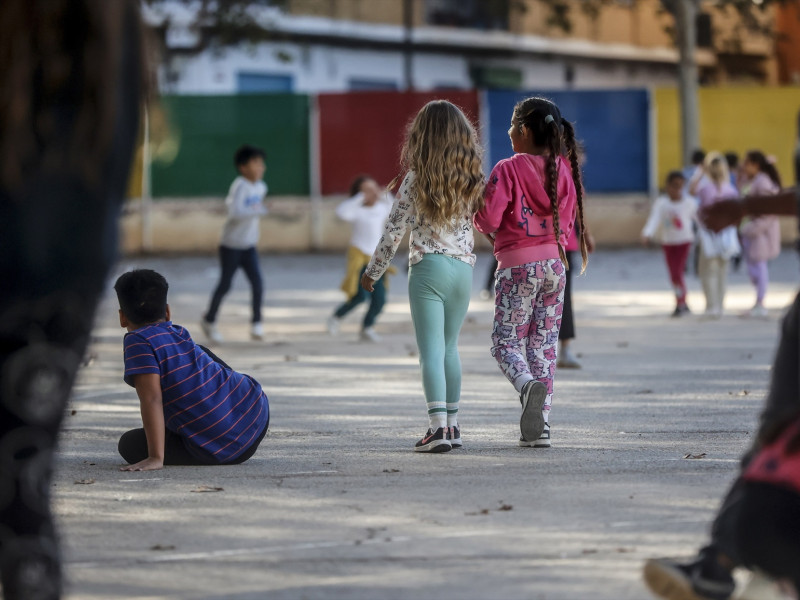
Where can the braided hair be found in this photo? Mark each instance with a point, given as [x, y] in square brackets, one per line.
[551, 131]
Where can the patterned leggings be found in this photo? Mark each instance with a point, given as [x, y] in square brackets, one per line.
[529, 302]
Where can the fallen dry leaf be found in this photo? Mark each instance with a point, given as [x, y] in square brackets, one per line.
[162, 547]
[208, 488]
[693, 456]
[84, 482]
[506, 507]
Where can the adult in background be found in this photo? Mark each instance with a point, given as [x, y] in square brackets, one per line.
[71, 84]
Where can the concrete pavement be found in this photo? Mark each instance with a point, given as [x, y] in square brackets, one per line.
[336, 505]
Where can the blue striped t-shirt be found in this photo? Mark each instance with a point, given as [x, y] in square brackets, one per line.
[212, 407]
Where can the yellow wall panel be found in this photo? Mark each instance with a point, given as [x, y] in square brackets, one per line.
[733, 119]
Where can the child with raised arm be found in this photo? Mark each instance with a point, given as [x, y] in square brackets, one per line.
[530, 207]
[440, 193]
[716, 248]
[196, 410]
[366, 210]
[672, 218]
[238, 246]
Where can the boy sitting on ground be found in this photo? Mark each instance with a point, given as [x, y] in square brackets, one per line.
[196, 410]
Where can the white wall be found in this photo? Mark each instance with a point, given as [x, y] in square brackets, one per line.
[321, 68]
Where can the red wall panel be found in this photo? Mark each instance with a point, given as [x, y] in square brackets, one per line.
[362, 132]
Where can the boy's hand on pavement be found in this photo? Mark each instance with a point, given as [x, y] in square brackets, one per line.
[366, 282]
[148, 464]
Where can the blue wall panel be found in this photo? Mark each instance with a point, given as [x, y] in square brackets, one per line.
[613, 125]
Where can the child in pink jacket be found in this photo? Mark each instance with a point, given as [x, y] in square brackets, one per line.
[761, 237]
[530, 207]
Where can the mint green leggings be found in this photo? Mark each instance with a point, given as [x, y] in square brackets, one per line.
[439, 289]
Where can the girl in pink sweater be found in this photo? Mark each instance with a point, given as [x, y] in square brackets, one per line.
[530, 207]
[761, 236]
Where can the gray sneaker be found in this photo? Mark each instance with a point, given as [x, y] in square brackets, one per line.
[531, 422]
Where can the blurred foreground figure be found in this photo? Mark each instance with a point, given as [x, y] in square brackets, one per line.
[70, 93]
[758, 524]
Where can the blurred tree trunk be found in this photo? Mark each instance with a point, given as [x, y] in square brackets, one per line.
[685, 13]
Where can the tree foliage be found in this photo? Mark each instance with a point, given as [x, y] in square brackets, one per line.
[750, 13]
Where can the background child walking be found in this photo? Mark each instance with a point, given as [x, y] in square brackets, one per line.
[439, 195]
[716, 249]
[530, 208]
[761, 236]
[237, 248]
[366, 210]
[672, 218]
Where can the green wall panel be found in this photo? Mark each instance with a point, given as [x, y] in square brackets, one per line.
[209, 129]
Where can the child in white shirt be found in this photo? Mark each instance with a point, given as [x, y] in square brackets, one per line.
[672, 216]
[366, 210]
[237, 248]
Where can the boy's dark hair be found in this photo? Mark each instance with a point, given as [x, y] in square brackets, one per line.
[733, 160]
[142, 295]
[355, 187]
[698, 156]
[673, 175]
[247, 153]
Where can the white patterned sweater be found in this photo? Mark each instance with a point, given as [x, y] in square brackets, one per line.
[455, 240]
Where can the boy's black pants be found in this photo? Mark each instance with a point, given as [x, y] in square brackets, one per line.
[133, 448]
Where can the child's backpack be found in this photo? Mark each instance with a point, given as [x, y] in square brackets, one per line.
[778, 463]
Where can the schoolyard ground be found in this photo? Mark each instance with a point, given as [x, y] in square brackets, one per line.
[336, 505]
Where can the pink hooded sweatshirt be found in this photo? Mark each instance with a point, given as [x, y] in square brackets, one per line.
[517, 210]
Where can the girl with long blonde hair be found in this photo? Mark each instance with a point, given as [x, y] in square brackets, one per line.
[716, 249]
[441, 191]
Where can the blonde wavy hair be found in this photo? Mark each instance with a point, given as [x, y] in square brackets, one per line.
[717, 168]
[442, 149]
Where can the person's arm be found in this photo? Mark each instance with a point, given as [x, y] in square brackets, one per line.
[394, 229]
[730, 212]
[694, 182]
[348, 210]
[499, 189]
[148, 388]
[653, 219]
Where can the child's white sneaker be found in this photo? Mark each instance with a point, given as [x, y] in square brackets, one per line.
[333, 325]
[211, 331]
[257, 331]
[368, 334]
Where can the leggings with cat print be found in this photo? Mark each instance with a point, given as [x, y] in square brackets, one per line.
[529, 302]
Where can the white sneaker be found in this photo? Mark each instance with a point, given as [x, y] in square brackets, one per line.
[333, 325]
[211, 331]
[761, 587]
[759, 312]
[257, 331]
[567, 360]
[370, 335]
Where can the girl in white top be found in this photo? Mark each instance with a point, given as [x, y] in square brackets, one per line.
[366, 210]
[441, 192]
[672, 217]
[716, 249]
